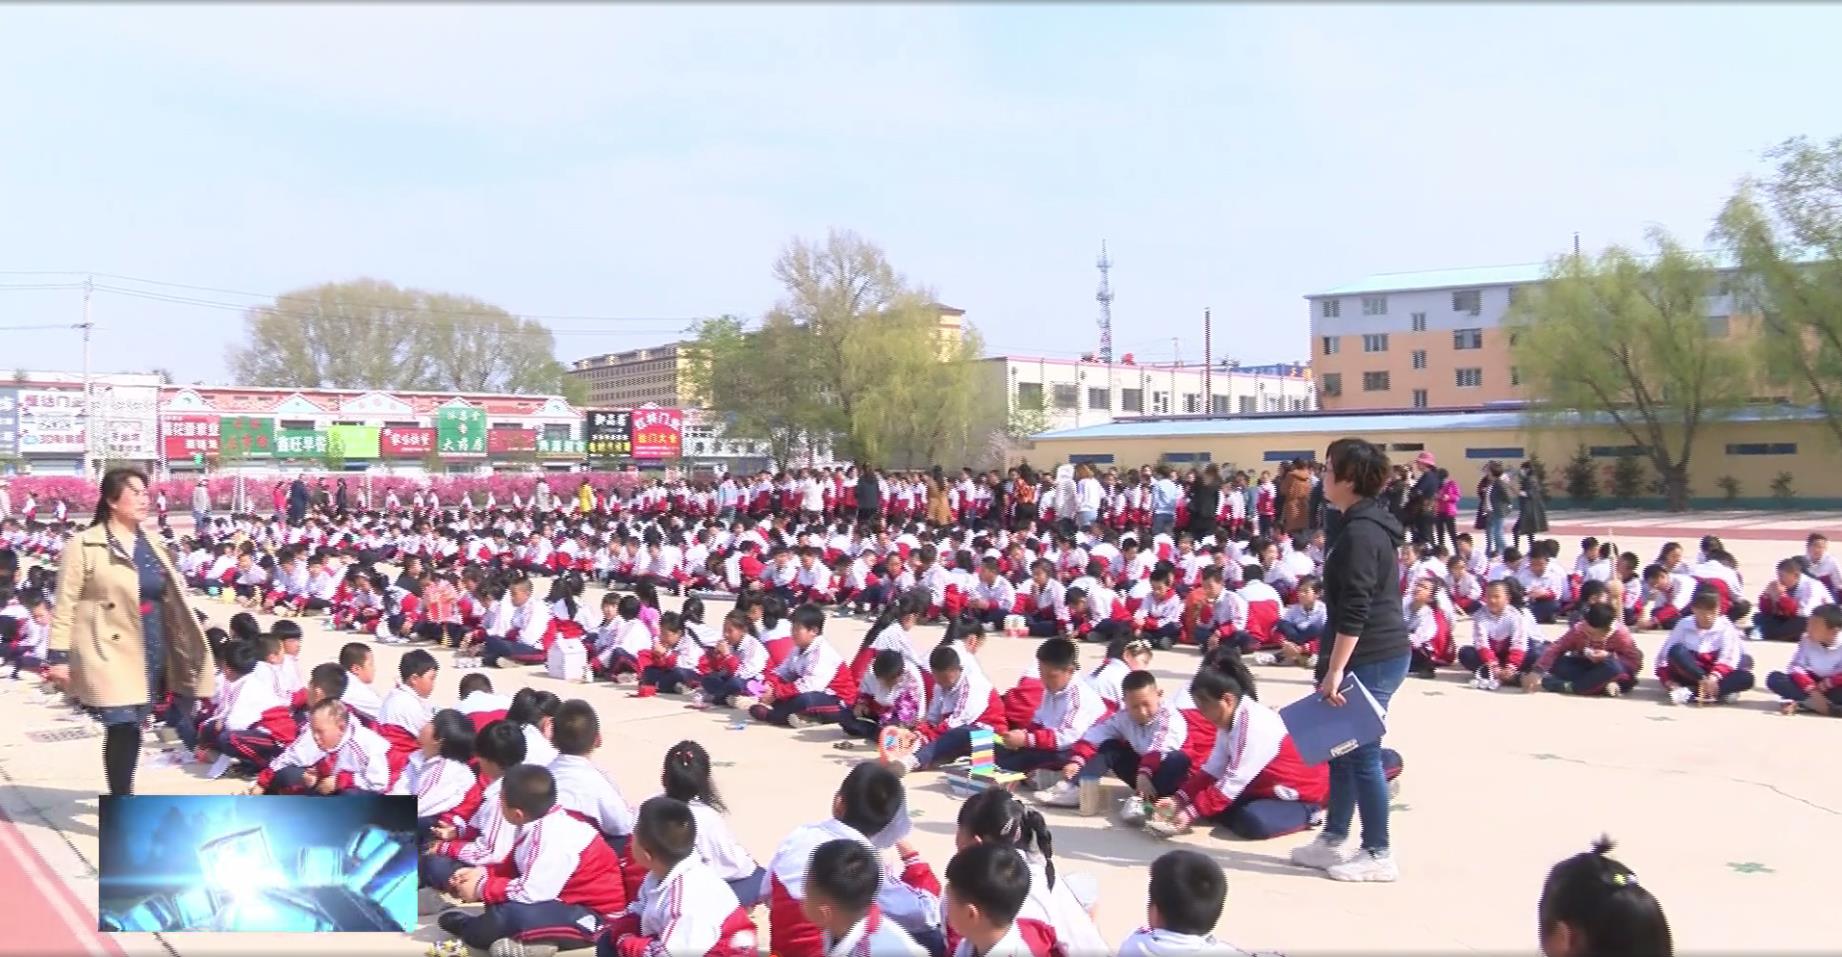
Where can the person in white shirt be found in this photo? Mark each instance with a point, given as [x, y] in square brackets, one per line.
[986, 887]
[1701, 659]
[582, 788]
[1813, 680]
[687, 778]
[841, 888]
[1787, 602]
[1185, 898]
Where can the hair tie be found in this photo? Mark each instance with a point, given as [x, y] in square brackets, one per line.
[1624, 878]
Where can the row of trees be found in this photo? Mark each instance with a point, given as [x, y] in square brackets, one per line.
[1627, 336]
[852, 358]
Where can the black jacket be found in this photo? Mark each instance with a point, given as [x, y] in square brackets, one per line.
[1362, 594]
[869, 493]
[1205, 501]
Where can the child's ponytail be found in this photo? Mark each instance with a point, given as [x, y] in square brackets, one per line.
[1223, 673]
[1603, 906]
[686, 776]
[1036, 831]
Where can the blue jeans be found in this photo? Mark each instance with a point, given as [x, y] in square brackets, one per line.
[1357, 780]
[1163, 522]
[1493, 533]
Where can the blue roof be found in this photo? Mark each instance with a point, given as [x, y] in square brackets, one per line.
[1359, 423]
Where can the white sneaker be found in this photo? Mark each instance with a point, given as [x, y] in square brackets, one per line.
[1132, 812]
[509, 947]
[696, 699]
[1680, 695]
[1263, 658]
[1366, 867]
[1322, 854]
[797, 721]
[1065, 793]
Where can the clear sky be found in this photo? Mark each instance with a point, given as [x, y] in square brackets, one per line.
[649, 163]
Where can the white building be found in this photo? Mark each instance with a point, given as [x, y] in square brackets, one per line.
[44, 427]
[1070, 393]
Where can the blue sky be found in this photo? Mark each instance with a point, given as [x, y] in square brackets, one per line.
[646, 162]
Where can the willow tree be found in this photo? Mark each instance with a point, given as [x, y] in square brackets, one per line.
[1625, 337]
[1785, 232]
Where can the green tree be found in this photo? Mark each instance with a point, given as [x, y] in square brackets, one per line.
[1627, 338]
[1785, 233]
[743, 375]
[368, 334]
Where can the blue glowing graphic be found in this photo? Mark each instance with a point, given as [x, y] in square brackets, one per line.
[258, 863]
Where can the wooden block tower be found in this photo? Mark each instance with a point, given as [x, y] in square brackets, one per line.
[983, 772]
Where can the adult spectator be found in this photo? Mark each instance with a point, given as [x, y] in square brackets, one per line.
[122, 637]
[1205, 501]
[1164, 495]
[1294, 497]
[298, 499]
[1531, 506]
[1363, 611]
[1423, 498]
[869, 496]
[201, 507]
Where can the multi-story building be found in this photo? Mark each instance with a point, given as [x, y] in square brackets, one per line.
[624, 380]
[1068, 393]
[45, 423]
[1434, 340]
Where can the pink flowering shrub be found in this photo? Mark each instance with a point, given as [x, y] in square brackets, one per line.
[81, 493]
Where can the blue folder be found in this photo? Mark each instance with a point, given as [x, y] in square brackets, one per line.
[1321, 732]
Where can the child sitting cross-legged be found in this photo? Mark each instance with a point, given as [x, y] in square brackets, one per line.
[840, 900]
[683, 906]
[1184, 902]
[986, 887]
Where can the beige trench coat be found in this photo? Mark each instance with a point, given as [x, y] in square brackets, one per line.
[98, 622]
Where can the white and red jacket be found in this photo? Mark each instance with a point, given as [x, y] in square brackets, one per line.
[1502, 638]
[487, 837]
[1171, 730]
[1108, 679]
[815, 668]
[1156, 613]
[559, 858]
[524, 624]
[360, 761]
[970, 701]
[587, 792]
[1816, 667]
[444, 788]
[910, 897]
[1156, 942]
[401, 718]
[1254, 757]
[1064, 716]
[690, 912]
[1717, 649]
[483, 708]
[1799, 600]
[254, 703]
[874, 936]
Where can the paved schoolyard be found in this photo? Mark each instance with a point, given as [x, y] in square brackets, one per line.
[1715, 808]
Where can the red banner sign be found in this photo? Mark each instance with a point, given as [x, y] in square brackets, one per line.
[658, 433]
[405, 443]
[184, 436]
[509, 441]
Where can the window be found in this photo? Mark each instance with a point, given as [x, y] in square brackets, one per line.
[1515, 294]
[1467, 300]
[1287, 455]
[1495, 452]
[1375, 342]
[1185, 458]
[1719, 326]
[1091, 458]
[1065, 395]
[1329, 308]
[1419, 398]
[1375, 305]
[557, 433]
[1419, 322]
[1375, 382]
[1192, 403]
[1132, 400]
[1467, 338]
[1029, 395]
[1218, 405]
[1762, 448]
[1515, 375]
[1099, 399]
[1470, 378]
[1419, 358]
[1160, 403]
[1330, 345]
[1247, 404]
[1407, 446]
[1331, 383]
[1616, 451]
[1298, 405]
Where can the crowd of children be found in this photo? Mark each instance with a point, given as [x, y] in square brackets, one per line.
[492, 775]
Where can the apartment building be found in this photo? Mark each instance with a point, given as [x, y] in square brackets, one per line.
[624, 380]
[1069, 393]
[1434, 340]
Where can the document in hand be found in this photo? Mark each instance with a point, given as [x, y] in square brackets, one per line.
[1321, 732]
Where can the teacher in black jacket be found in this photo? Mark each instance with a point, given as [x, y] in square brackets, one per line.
[1366, 639]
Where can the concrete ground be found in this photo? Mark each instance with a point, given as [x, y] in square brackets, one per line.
[1715, 808]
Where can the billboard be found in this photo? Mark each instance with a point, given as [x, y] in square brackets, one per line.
[186, 436]
[9, 421]
[511, 441]
[245, 437]
[560, 448]
[352, 441]
[609, 434]
[398, 442]
[50, 420]
[300, 444]
[460, 431]
[658, 433]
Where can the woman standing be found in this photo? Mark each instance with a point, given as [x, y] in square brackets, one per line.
[1023, 493]
[938, 514]
[122, 636]
[1294, 498]
[1088, 495]
[1492, 502]
[1363, 610]
[1204, 502]
[1531, 505]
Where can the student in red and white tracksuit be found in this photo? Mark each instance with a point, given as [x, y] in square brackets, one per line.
[813, 686]
[1813, 680]
[1787, 602]
[963, 699]
[1702, 657]
[336, 748]
[258, 722]
[400, 721]
[910, 896]
[561, 885]
[1149, 743]
[1254, 781]
[1068, 709]
[689, 911]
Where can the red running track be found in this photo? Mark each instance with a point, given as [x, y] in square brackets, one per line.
[1686, 534]
[45, 918]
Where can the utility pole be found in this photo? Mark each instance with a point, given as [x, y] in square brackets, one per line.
[89, 389]
[1208, 363]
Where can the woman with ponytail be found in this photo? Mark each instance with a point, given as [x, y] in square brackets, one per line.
[1254, 782]
[1053, 919]
[1593, 906]
[687, 778]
